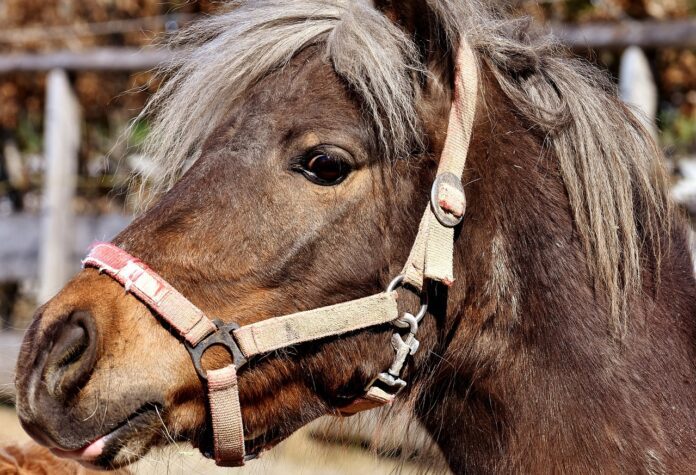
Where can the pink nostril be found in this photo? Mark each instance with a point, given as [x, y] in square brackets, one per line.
[72, 355]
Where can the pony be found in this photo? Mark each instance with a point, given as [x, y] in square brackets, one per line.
[296, 143]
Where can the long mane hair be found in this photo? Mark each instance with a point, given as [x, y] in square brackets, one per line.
[610, 165]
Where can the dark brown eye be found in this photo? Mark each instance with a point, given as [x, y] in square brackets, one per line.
[324, 169]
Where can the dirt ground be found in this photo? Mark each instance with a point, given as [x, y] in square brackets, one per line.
[300, 455]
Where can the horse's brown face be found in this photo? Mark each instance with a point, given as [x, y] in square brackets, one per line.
[289, 208]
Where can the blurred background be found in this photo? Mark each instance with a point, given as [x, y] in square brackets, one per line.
[74, 74]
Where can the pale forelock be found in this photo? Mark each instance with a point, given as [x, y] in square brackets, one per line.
[225, 55]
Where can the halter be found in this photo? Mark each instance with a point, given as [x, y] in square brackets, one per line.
[431, 258]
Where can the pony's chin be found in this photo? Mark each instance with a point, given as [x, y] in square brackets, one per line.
[259, 442]
[259, 445]
[125, 444]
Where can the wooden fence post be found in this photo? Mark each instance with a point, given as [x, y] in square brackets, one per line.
[61, 145]
[637, 87]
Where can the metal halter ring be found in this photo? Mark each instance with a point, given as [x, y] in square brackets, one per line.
[222, 337]
[401, 323]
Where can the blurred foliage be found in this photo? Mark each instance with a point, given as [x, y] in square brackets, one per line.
[675, 69]
[28, 135]
[109, 100]
[42, 15]
[679, 135]
[139, 131]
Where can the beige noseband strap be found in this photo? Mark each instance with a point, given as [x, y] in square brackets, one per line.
[431, 258]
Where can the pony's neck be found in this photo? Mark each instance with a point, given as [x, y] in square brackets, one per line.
[525, 364]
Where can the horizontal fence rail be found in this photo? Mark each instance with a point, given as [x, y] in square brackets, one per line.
[645, 34]
[99, 59]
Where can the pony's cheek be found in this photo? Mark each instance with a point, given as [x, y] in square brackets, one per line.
[186, 418]
[288, 407]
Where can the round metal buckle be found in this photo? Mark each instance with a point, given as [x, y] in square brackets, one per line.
[222, 337]
[445, 218]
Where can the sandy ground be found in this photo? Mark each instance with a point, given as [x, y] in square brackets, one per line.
[300, 455]
[10, 430]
